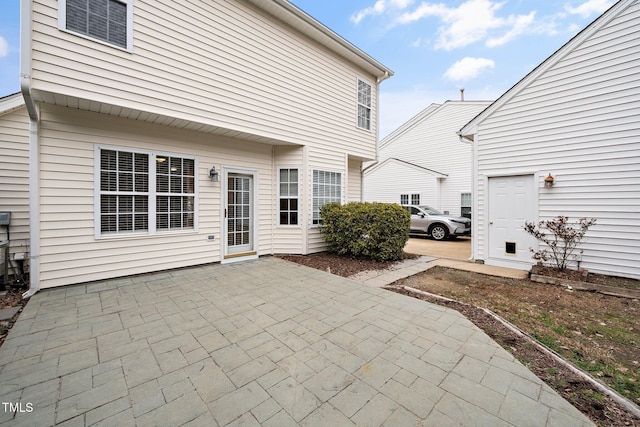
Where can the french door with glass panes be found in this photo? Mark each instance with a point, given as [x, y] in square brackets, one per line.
[239, 215]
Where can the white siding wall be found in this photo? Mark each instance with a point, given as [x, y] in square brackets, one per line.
[579, 122]
[431, 142]
[69, 251]
[14, 178]
[221, 63]
[389, 181]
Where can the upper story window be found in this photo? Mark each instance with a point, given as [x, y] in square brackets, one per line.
[364, 105]
[108, 21]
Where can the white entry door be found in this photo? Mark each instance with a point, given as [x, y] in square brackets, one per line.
[511, 201]
[239, 215]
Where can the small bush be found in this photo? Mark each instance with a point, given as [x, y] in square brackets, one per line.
[377, 231]
[560, 237]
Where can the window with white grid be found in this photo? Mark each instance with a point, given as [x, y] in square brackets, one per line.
[141, 192]
[175, 193]
[415, 199]
[327, 187]
[124, 192]
[288, 196]
[104, 20]
[404, 199]
[364, 105]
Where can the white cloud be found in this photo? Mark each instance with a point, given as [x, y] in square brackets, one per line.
[468, 23]
[380, 7]
[468, 68]
[4, 47]
[519, 24]
[589, 8]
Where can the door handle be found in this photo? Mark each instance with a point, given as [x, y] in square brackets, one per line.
[490, 222]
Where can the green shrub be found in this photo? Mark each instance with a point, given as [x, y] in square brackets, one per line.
[376, 231]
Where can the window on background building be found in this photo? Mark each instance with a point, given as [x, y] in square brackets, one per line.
[364, 105]
[288, 196]
[404, 199]
[126, 201]
[465, 205]
[415, 199]
[327, 187]
[104, 20]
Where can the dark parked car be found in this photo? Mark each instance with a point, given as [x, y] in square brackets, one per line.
[426, 220]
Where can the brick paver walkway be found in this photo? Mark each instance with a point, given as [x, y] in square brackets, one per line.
[265, 342]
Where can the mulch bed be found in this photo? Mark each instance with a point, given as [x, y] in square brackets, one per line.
[339, 265]
[8, 299]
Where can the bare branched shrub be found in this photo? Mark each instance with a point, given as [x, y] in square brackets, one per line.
[560, 237]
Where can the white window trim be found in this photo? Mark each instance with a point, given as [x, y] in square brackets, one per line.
[342, 195]
[62, 26]
[151, 192]
[299, 224]
[370, 107]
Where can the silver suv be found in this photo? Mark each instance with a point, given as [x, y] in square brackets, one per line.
[426, 220]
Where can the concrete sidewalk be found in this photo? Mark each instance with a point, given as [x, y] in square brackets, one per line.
[265, 342]
[409, 267]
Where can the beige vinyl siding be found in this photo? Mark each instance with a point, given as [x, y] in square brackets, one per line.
[579, 121]
[429, 140]
[225, 64]
[70, 253]
[14, 178]
[354, 181]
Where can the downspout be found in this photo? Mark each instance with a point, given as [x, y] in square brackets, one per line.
[474, 189]
[34, 148]
[274, 193]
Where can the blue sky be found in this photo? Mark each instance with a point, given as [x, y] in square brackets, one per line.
[435, 47]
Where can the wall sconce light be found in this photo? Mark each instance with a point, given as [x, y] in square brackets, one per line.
[548, 181]
[213, 174]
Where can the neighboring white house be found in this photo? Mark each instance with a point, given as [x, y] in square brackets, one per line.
[424, 161]
[14, 176]
[165, 136]
[576, 117]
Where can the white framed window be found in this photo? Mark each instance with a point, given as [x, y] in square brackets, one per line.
[107, 21]
[364, 105]
[327, 187]
[143, 192]
[415, 199]
[288, 196]
[175, 192]
[465, 205]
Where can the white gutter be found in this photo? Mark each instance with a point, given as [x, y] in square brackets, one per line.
[34, 148]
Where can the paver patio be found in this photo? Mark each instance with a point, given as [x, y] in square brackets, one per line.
[264, 342]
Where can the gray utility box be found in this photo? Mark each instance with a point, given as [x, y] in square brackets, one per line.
[5, 218]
